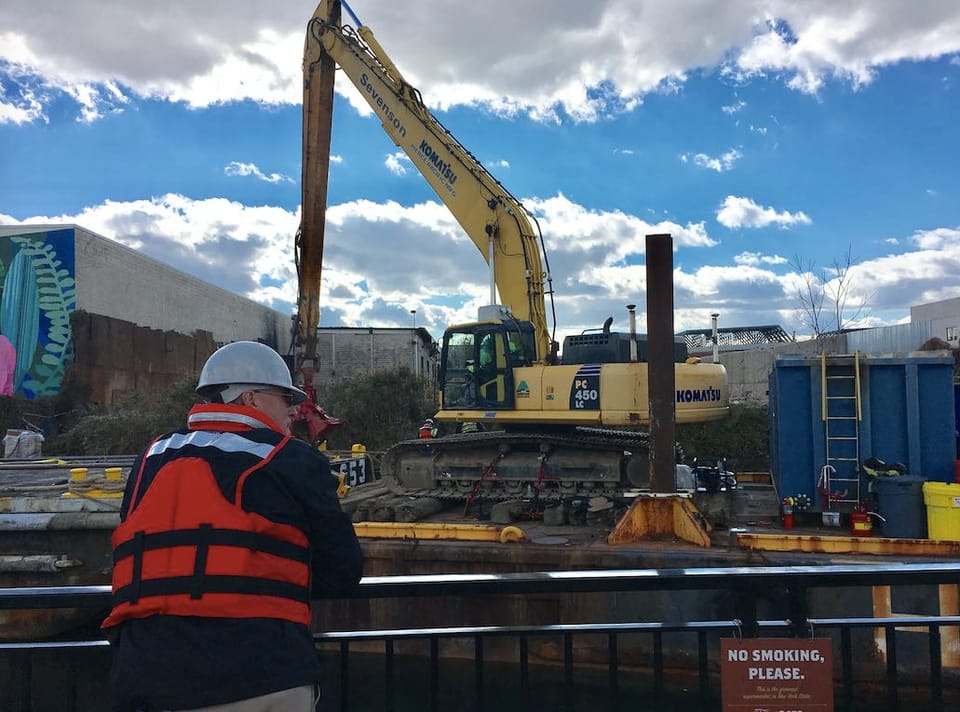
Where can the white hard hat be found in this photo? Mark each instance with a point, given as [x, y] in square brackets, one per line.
[245, 366]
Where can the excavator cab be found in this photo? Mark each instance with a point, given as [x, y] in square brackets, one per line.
[477, 362]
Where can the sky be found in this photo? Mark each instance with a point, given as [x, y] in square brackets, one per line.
[773, 139]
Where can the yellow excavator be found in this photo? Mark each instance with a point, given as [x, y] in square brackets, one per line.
[569, 426]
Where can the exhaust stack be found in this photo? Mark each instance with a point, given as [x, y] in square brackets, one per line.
[716, 341]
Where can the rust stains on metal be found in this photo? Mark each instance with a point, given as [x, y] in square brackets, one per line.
[847, 544]
[652, 517]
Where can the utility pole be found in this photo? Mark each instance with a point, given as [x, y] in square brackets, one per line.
[416, 345]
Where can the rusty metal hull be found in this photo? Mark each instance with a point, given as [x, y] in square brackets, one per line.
[52, 550]
[54, 534]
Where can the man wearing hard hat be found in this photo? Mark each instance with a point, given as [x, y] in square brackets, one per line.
[228, 529]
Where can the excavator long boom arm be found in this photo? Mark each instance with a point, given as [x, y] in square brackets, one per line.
[495, 221]
[318, 79]
[311, 422]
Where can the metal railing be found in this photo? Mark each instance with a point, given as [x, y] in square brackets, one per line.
[428, 667]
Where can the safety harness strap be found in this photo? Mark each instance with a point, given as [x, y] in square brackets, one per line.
[175, 585]
[200, 560]
[207, 535]
[137, 552]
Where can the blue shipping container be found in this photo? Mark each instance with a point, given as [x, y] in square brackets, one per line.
[904, 414]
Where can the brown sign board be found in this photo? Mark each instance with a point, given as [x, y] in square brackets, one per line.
[776, 675]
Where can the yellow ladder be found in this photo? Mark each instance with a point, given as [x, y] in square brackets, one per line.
[841, 413]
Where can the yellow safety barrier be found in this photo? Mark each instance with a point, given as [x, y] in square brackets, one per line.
[438, 530]
[108, 486]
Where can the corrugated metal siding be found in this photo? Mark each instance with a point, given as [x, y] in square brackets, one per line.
[897, 339]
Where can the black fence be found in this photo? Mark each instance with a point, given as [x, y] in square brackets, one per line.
[894, 661]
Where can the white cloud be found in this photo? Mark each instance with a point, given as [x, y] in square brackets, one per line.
[236, 168]
[739, 212]
[26, 110]
[939, 239]
[753, 259]
[23, 99]
[719, 164]
[734, 108]
[397, 163]
[572, 227]
[244, 249]
[375, 264]
[615, 51]
[816, 41]
[376, 267]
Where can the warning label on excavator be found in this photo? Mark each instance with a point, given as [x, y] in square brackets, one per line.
[776, 675]
[585, 389]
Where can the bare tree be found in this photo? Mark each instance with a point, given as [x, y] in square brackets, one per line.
[834, 287]
[810, 295]
[846, 308]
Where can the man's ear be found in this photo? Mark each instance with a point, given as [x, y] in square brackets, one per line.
[247, 398]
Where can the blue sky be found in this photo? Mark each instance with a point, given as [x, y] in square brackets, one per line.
[761, 134]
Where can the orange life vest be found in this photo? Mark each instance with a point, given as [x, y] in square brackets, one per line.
[186, 550]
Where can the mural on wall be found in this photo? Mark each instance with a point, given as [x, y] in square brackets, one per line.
[37, 294]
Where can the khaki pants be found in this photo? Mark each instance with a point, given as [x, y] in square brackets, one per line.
[297, 699]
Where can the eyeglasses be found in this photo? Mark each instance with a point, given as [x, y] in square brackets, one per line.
[287, 398]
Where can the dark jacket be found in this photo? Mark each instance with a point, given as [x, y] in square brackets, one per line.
[178, 662]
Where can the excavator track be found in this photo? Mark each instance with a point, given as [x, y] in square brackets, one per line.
[502, 465]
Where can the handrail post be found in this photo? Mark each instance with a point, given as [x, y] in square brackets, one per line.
[745, 610]
[797, 602]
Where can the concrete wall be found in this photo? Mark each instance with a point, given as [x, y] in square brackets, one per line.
[140, 318]
[944, 318]
[748, 370]
[115, 357]
[116, 281]
[345, 352]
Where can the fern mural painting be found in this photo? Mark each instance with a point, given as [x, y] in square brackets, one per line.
[37, 294]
